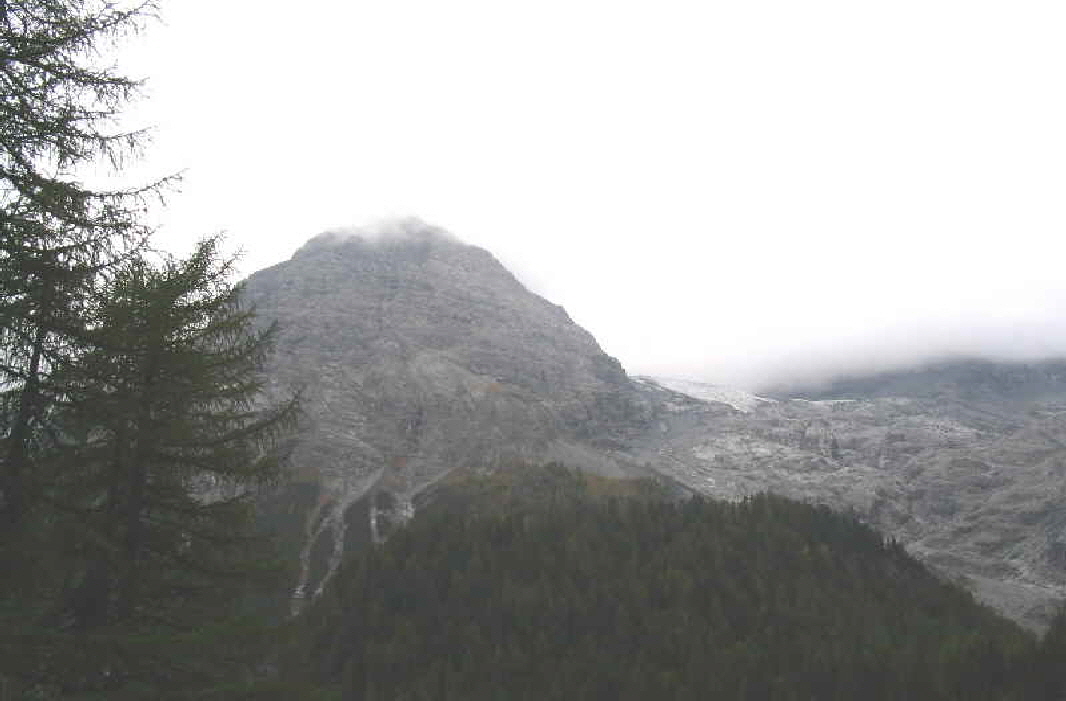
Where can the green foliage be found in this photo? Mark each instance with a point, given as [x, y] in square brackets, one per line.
[1048, 669]
[132, 428]
[619, 598]
[524, 485]
[58, 108]
[58, 113]
[169, 435]
[144, 542]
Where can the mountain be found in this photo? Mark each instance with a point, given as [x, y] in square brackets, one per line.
[963, 460]
[965, 379]
[419, 355]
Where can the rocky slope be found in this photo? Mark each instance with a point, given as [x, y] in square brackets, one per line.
[964, 461]
[418, 354]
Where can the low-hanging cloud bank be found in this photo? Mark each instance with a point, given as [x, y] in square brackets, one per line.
[847, 351]
[753, 321]
[386, 230]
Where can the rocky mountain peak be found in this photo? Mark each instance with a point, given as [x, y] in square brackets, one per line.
[396, 238]
[412, 293]
[419, 354]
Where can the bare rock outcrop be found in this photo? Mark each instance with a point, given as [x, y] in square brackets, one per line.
[418, 354]
[963, 461]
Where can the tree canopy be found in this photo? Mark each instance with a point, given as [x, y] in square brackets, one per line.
[133, 425]
[580, 597]
[59, 108]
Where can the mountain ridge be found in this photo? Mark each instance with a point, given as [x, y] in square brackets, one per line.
[969, 377]
[970, 478]
[420, 354]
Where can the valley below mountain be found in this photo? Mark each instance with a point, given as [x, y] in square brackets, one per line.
[418, 355]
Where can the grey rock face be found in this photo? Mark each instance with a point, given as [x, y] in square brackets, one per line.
[964, 462]
[427, 351]
[418, 354]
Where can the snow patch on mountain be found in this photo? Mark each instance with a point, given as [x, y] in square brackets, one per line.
[736, 398]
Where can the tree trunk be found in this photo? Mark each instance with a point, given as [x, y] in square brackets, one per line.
[15, 492]
[137, 483]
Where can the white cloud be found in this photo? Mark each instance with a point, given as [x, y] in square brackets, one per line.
[724, 189]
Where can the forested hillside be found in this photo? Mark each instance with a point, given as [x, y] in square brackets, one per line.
[571, 594]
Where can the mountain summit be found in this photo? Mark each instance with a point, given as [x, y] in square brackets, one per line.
[419, 354]
[417, 349]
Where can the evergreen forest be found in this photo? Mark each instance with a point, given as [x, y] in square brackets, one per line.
[571, 591]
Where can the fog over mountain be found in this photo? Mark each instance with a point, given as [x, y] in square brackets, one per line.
[757, 317]
[909, 344]
[735, 192]
[745, 322]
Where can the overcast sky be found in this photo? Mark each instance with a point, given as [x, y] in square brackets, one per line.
[719, 190]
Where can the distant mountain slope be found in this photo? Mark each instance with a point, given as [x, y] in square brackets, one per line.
[964, 461]
[969, 379]
[564, 594]
[736, 398]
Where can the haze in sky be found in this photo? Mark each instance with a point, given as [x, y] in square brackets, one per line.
[728, 191]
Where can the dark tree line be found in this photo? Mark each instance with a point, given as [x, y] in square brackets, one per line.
[133, 432]
[637, 598]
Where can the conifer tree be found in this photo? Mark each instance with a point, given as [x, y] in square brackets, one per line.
[168, 437]
[132, 426]
[164, 437]
[1049, 671]
[59, 106]
[173, 429]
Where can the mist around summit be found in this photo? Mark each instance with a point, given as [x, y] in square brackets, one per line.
[773, 336]
[796, 343]
[751, 323]
[384, 231]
